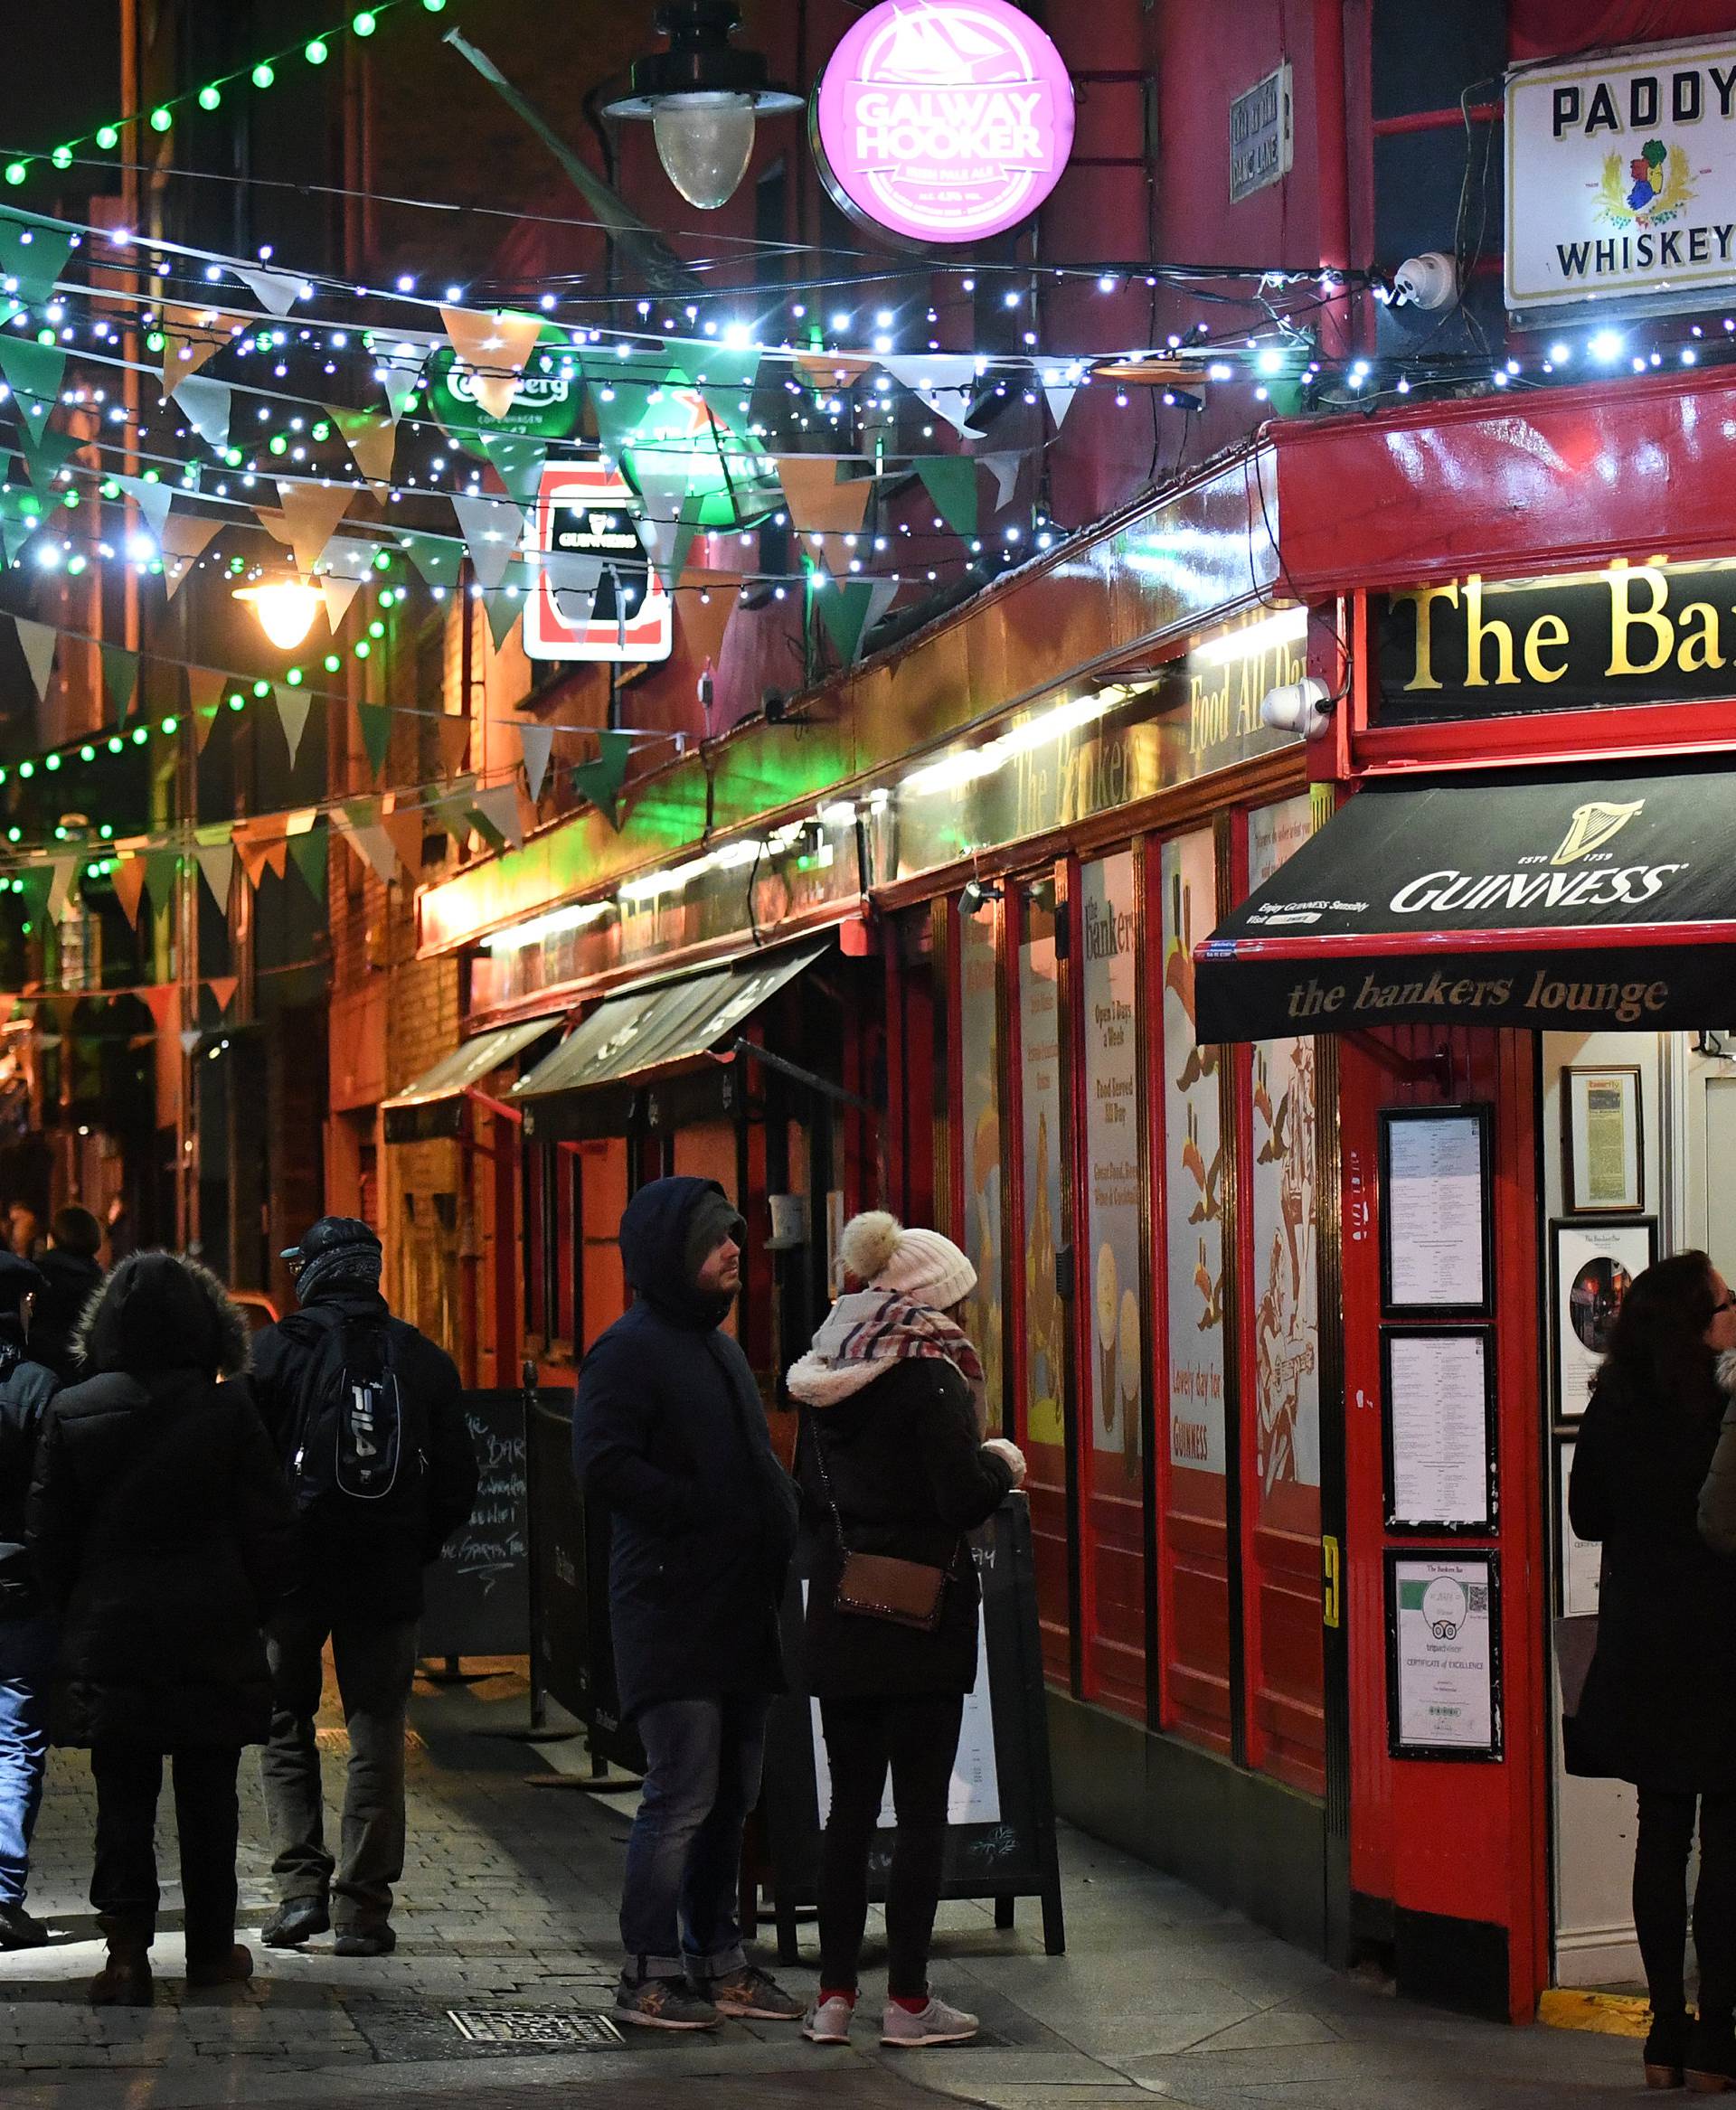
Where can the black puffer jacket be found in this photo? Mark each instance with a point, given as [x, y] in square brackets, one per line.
[668, 1428]
[159, 1521]
[69, 1281]
[26, 1390]
[909, 1477]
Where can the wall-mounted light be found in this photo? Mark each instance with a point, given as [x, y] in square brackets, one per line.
[285, 608]
[701, 96]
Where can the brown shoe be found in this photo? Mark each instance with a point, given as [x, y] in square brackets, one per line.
[234, 1969]
[125, 1980]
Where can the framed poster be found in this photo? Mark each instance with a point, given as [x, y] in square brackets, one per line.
[1592, 1262]
[1436, 1254]
[1579, 1562]
[1603, 1151]
[1438, 1429]
[1443, 1656]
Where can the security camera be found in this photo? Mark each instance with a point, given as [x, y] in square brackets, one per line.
[1428, 281]
[1303, 706]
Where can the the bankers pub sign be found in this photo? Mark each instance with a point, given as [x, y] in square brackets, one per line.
[1632, 633]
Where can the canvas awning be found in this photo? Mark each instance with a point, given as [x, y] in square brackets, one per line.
[646, 1029]
[1535, 899]
[433, 1103]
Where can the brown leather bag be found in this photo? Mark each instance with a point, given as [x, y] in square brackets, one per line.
[880, 1586]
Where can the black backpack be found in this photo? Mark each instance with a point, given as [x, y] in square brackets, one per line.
[361, 1448]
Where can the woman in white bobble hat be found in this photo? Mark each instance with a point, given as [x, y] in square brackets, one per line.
[893, 1473]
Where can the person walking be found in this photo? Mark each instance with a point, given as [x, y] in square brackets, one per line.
[892, 1466]
[26, 1631]
[367, 1416]
[669, 1431]
[71, 1276]
[1658, 1704]
[163, 1535]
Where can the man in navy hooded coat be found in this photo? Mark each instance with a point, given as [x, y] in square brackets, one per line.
[669, 1430]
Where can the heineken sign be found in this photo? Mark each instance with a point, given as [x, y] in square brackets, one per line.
[1576, 904]
[1472, 647]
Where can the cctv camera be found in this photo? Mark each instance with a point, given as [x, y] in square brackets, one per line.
[1428, 281]
[1303, 706]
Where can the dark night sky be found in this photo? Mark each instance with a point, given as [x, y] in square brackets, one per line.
[60, 76]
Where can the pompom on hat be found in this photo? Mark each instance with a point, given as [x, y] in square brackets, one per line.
[877, 1250]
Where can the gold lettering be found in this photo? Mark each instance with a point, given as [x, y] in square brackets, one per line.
[1424, 597]
[1699, 647]
[1624, 616]
[1547, 630]
[1476, 631]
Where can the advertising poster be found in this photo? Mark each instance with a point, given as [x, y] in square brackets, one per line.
[980, 1141]
[1108, 993]
[1040, 1076]
[1194, 1168]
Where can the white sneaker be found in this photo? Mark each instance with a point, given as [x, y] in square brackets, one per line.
[827, 2021]
[937, 2024]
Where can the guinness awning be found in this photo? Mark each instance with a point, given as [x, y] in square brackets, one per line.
[432, 1105]
[1542, 900]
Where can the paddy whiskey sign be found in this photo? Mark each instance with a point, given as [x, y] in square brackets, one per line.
[1621, 179]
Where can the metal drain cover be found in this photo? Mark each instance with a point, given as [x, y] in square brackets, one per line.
[533, 2026]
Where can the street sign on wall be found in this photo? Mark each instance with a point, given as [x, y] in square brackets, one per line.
[1621, 173]
[1262, 135]
[596, 597]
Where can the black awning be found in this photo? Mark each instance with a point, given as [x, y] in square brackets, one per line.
[1573, 902]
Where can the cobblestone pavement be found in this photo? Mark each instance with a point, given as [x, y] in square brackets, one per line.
[509, 1901]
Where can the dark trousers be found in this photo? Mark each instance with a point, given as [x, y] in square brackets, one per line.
[207, 1816]
[375, 1666]
[683, 1855]
[1661, 1899]
[917, 1738]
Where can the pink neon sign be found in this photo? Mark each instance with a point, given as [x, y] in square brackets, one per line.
[943, 120]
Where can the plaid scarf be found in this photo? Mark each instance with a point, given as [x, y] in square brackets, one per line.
[868, 1329]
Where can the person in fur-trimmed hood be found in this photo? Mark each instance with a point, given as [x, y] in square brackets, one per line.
[162, 1536]
[892, 1462]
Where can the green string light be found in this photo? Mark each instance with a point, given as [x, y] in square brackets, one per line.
[140, 735]
[86, 753]
[115, 743]
[209, 97]
[52, 761]
[366, 23]
[108, 137]
[238, 703]
[317, 53]
[161, 117]
[16, 171]
[294, 677]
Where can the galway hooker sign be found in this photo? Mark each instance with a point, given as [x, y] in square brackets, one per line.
[942, 120]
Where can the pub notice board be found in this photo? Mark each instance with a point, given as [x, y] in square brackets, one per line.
[478, 1596]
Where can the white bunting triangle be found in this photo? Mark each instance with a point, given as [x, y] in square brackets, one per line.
[1060, 401]
[499, 808]
[337, 594]
[153, 499]
[1004, 466]
[536, 741]
[274, 289]
[204, 404]
[493, 528]
[293, 705]
[945, 381]
[37, 643]
[217, 867]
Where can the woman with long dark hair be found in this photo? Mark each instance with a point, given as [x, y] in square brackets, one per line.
[1658, 1706]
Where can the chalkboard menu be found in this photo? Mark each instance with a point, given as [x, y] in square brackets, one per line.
[478, 1591]
[1001, 1834]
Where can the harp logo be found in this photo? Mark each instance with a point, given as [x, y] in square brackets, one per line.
[1593, 824]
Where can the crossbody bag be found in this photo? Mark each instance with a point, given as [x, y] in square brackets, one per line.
[880, 1586]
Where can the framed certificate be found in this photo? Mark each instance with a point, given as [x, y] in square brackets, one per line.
[1593, 1263]
[1438, 1423]
[1579, 1562]
[1603, 1153]
[1436, 1254]
[1443, 1656]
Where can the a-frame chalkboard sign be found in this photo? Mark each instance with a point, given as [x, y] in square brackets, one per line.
[1001, 1841]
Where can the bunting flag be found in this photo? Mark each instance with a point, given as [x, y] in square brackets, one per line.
[819, 503]
[600, 781]
[37, 642]
[161, 867]
[829, 370]
[451, 812]
[573, 576]
[400, 382]
[129, 883]
[205, 687]
[185, 540]
[190, 1037]
[668, 542]
[191, 337]
[61, 886]
[454, 736]
[518, 459]
[311, 513]
[34, 253]
[1060, 400]
[20, 517]
[359, 824]
[1003, 466]
[349, 557]
[33, 373]
[45, 458]
[162, 1000]
[308, 854]
[436, 557]
[120, 674]
[204, 403]
[217, 868]
[944, 380]
[535, 741]
[276, 290]
[951, 480]
[222, 989]
[706, 621]
[293, 706]
[337, 594]
[259, 844]
[375, 722]
[371, 437]
[495, 812]
[503, 611]
[153, 499]
[492, 529]
[849, 607]
[404, 831]
[494, 349]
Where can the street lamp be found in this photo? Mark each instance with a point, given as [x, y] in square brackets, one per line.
[285, 608]
[701, 96]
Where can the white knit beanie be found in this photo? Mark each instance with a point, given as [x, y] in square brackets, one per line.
[878, 1250]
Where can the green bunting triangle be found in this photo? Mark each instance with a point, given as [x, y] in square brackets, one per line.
[951, 480]
[45, 458]
[436, 557]
[120, 674]
[518, 461]
[33, 253]
[20, 515]
[33, 373]
[308, 854]
[600, 781]
[160, 868]
[375, 721]
[724, 377]
[848, 606]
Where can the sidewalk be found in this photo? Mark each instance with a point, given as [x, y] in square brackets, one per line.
[508, 1905]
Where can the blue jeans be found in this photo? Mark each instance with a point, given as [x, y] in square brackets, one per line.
[27, 1650]
[683, 1857]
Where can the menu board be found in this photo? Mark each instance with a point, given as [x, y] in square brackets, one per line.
[1435, 1210]
[1438, 1400]
[1443, 1656]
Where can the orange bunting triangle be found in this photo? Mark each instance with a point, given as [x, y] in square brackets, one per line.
[492, 350]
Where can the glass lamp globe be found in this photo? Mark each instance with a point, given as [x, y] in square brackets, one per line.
[285, 608]
[704, 142]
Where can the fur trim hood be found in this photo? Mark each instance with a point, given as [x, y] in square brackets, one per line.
[157, 1312]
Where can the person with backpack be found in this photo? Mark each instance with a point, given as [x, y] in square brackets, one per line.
[368, 1418]
[163, 1538]
[670, 1432]
[26, 1630]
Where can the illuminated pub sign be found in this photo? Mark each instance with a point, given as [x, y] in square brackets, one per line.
[1474, 647]
[942, 120]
